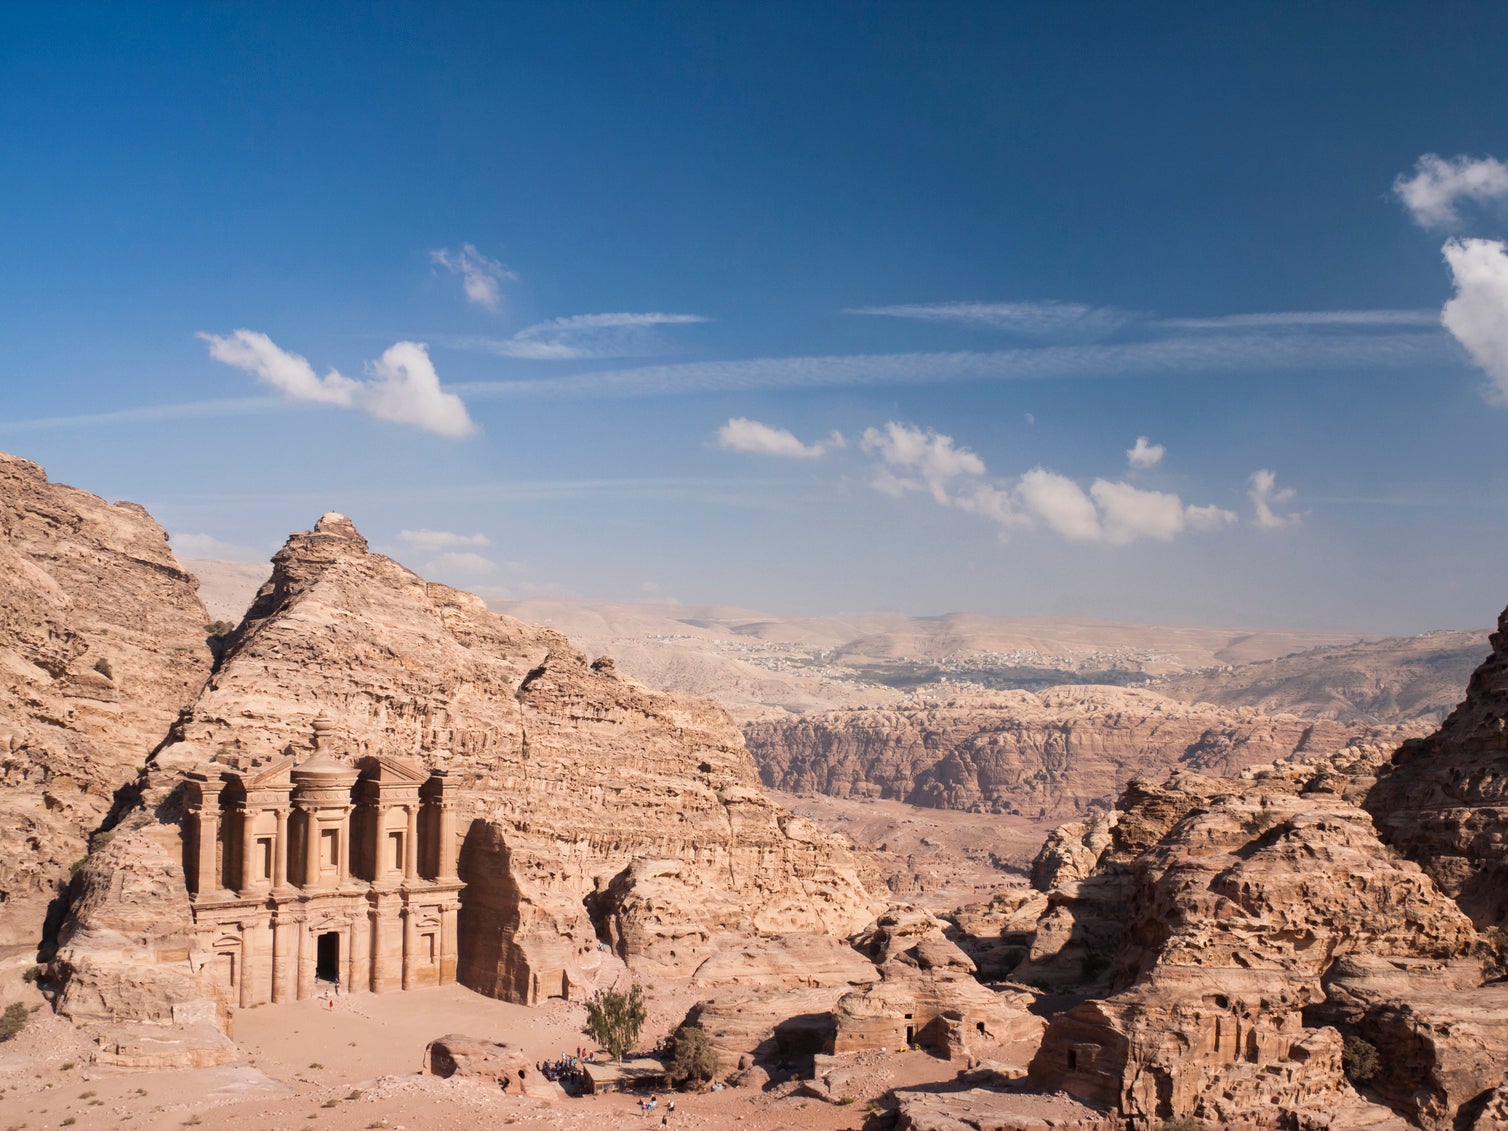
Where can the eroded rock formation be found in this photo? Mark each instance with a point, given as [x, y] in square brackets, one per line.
[1444, 799]
[588, 810]
[102, 641]
[1239, 932]
[1051, 754]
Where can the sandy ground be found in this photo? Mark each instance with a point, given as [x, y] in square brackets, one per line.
[353, 1062]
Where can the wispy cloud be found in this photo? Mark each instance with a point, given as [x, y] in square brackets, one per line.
[1478, 314]
[1143, 455]
[1438, 185]
[1299, 319]
[1027, 319]
[481, 277]
[461, 561]
[1266, 496]
[754, 438]
[401, 385]
[187, 545]
[440, 539]
[583, 336]
[1194, 354]
[150, 414]
[921, 460]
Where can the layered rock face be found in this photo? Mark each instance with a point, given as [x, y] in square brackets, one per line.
[1444, 800]
[1239, 931]
[1051, 754]
[102, 642]
[589, 809]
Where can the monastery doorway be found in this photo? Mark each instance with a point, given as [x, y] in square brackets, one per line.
[327, 957]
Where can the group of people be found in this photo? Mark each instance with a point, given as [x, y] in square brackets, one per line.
[565, 1070]
[647, 1107]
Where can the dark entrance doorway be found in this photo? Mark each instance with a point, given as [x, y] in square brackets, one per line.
[327, 958]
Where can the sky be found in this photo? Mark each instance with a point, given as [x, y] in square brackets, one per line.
[1171, 313]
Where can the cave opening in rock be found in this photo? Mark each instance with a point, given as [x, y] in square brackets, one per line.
[327, 957]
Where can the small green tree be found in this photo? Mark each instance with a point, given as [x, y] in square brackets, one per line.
[1359, 1059]
[613, 1019]
[693, 1057]
[12, 1021]
[102, 666]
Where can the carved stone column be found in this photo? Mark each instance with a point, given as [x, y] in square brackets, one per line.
[248, 825]
[410, 945]
[448, 850]
[312, 847]
[449, 942]
[411, 843]
[280, 852]
[207, 861]
[247, 954]
[343, 847]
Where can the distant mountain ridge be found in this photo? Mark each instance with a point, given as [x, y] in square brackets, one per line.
[764, 667]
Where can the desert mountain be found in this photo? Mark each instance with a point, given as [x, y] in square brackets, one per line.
[1397, 679]
[587, 809]
[101, 642]
[1039, 755]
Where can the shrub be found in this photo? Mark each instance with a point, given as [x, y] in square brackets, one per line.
[102, 666]
[12, 1021]
[613, 1019]
[1359, 1059]
[1182, 1123]
[693, 1058]
[219, 628]
[31, 974]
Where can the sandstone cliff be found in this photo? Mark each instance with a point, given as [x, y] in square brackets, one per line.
[592, 809]
[101, 643]
[1051, 754]
[1444, 799]
[1234, 934]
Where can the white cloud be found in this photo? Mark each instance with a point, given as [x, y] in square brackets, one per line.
[584, 336]
[1208, 519]
[431, 540]
[1059, 502]
[406, 389]
[1029, 319]
[1438, 185]
[1111, 512]
[481, 277]
[1265, 496]
[208, 546]
[743, 435]
[402, 384]
[1478, 314]
[461, 561]
[1144, 455]
[256, 354]
[928, 459]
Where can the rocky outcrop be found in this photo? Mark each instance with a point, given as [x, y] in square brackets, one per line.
[1052, 754]
[1444, 800]
[1239, 932]
[102, 642]
[473, 1058]
[590, 809]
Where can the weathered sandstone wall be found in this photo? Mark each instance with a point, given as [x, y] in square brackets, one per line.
[101, 644]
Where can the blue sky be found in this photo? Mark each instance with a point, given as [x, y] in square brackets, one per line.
[806, 308]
